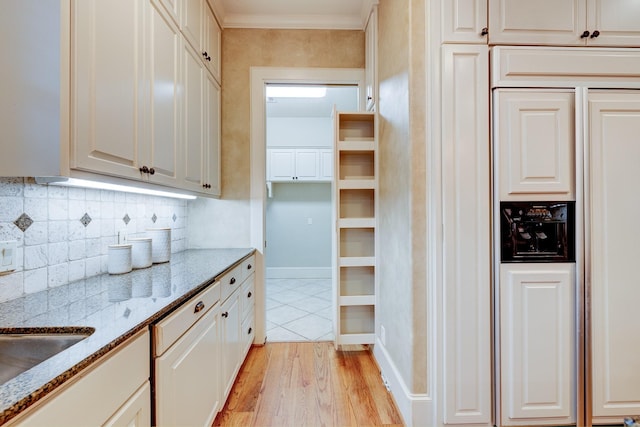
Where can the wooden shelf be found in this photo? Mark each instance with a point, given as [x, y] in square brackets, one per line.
[355, 190]
[357, 261]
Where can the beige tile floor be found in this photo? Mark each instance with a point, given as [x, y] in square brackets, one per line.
[299, 310]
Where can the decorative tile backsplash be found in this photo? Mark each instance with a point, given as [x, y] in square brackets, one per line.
[63, 232]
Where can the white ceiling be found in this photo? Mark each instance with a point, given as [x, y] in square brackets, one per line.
[310, 14]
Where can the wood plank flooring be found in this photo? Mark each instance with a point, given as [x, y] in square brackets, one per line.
[308, 384]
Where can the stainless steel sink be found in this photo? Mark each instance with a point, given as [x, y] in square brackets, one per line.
[22, 351]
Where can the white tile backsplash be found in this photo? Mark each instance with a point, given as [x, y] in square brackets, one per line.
[57, 247]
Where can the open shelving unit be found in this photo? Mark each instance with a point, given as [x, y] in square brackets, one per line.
[355, 188]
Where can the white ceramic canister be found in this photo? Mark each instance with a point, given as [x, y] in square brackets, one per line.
[140, 252]
[160, 244]
[119, 259]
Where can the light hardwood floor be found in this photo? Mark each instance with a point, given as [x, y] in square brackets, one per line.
[308, 384]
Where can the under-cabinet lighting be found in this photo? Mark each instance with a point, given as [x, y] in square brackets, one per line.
[74, 182]
[296, 92]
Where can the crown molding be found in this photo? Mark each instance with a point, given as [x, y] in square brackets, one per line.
[304, 21]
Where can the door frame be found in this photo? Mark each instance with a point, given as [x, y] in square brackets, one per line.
[260, 77]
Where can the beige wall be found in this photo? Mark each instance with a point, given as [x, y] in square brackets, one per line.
[225, 222]
[401, 106]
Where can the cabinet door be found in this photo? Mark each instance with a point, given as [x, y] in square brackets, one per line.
[231, 342]
[212, 43]
[326, 165]
[617, 22]
[370, 68]
[136, 412]
[464, 21]
[613, 254]
[539, 22]
[193, 119]
[108, 90]
[307, 165]
[187, 377]
[212, 135]
[193, 23]
[282, 163]
[536, 143]
[163, 121]
[537, 342]
[467, 234]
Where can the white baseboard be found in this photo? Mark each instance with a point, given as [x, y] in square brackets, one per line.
[298, 273]
[416, 409]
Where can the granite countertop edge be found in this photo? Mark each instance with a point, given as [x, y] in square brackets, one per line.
[190, 272]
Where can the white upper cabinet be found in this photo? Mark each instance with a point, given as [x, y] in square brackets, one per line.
[108, 100]
[299, 164]
[202, 31]
[164, 103]
[464, 21]
[565, 22]
[535, 138]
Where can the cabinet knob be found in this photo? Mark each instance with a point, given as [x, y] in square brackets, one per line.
[249, 295]
[249, 331]
[199, 307]
[595, 34]
[484, 31]
[232, 281]
[204, 54]
[369, 98]
[152, 171]
[249, 267]
[585, 34]
[208, 58]
[225, 314]
[144, 169]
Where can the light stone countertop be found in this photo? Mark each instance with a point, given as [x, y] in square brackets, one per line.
[117, 306]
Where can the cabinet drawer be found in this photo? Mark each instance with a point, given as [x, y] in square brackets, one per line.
[231, 281]
[248, 267]
[247, 296]
[167, 331]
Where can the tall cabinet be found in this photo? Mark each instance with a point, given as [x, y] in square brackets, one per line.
[354, 189]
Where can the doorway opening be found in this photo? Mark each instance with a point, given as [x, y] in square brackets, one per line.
[299, 208]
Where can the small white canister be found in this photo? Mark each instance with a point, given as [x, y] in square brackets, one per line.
[160, 244]
[119, 259]
[140, 252]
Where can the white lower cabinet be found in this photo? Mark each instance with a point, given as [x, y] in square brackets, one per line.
[114, 392]
[537, 341]
[187, 376]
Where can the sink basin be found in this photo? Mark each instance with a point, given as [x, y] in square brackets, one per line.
[22, 351]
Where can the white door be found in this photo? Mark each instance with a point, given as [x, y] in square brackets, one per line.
[193, 124]
[307, 165]
[617, 22]
[212, 135]
[212, 43]
[537, 344]
[326, 165]
[192, 24]
[187, 378]
[135, 412]
[464, 21]
[535, 137]
[613, 253]
[281, 164]
[108, 91]
[163, 134]
[467, 234]
[231, 341]
[539, 22]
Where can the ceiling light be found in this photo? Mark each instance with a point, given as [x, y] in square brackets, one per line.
[73, 182]
[296, 91]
